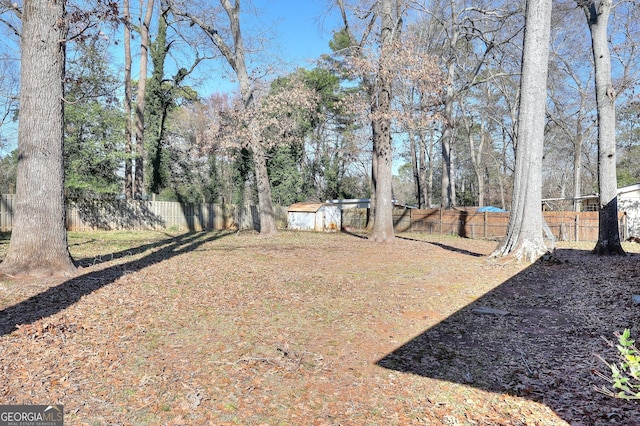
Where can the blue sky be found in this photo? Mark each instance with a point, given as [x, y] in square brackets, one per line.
[301, 32]
[305, 28]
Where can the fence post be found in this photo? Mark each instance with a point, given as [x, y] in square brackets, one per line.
[441, 228]
[577, 227]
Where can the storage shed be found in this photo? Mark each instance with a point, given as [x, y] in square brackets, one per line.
[313, 217]
[629, 202]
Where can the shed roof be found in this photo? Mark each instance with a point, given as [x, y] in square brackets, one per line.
[630, 188]
[305, 207]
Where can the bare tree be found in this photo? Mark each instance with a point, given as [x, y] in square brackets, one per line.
[232, 47]
[468, 36]
[524, 237]
[571, 107]
[417, 92]
[38, 243]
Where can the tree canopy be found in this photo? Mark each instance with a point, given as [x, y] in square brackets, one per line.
[441, 77]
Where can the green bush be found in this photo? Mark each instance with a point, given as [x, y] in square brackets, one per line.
[625, 373]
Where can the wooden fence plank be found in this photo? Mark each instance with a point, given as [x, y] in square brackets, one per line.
[130, 214]
[566, 226]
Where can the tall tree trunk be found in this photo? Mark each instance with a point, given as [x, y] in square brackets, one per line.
[422, 172]
[476, 154]
[237, 61]
[128, 163]
[140, 102]
[157, 103]
[265, 204]
[38, 243]
[448, 196]
[371, 212]
[501, 168]
[524, 237]
[597, 13]
[448, 176]
[430, 155]
[415, 168]
[382, 150]
[577, 170]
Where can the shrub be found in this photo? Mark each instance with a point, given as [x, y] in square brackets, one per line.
[625, 373]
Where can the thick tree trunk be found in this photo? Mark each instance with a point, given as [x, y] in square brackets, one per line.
[265, 204]
[38, 243]
[382, 150]
[597, 13]
[383, 223]
[524, 237]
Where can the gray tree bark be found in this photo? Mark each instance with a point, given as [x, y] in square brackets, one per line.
[138, 186]
[524, 239]
[38, 244]
[128, 163]
[382, 150]
[597, 14]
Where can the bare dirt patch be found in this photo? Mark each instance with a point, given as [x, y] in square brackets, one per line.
[326, 329]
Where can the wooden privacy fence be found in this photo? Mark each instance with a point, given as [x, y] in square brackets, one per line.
[89, 215]
[565, 226]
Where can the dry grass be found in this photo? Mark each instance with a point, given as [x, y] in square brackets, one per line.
[225, 328]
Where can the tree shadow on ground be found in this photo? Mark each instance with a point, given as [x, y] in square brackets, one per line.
[444, 246]
[133, 251]
[61, 296]
[362, 235]
[538, 338]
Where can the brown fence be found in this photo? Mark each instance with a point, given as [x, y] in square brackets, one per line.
[89, 215]
[140, 215]
[566, 226]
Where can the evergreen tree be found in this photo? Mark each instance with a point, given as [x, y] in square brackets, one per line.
[8, 169]
[93, 125]
[286, 178]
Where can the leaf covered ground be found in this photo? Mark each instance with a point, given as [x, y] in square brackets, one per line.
[324, 329]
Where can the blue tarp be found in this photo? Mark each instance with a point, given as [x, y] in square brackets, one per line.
[491, 209]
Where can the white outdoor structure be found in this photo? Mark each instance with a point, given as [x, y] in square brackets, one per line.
[629, 202]
[314, 217]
